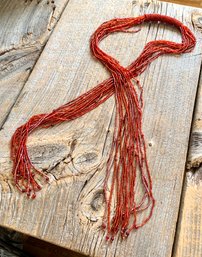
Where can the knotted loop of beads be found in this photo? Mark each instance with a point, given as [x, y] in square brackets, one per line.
[125, 208]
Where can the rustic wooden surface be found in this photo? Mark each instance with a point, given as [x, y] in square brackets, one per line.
[25, 28]
[189, 239]
[68, 211]
[195, 150]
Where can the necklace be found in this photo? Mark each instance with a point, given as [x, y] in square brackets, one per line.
[127, 156]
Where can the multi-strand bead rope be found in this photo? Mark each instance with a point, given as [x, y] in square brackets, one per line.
[127, 157]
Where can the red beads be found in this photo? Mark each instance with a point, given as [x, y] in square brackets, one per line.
[127, 158]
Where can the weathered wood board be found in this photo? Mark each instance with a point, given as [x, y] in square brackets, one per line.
[68, 211]
[189, 239]
[195, 150]
[25, 27]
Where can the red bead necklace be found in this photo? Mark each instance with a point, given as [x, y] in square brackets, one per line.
[128, 149]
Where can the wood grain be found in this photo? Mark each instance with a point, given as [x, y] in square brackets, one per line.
[68, 211]
[188, 241]
[25, 29]
[195, 149]
[189, 238]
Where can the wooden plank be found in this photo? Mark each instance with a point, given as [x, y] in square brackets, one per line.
[189, 240]
[195, 149]
[25, 28]
[75, 153]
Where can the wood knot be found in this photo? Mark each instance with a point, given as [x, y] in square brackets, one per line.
[48, 155]
[87, 158]
[200, 20]
[97, 201]
[146, 4]
[197, 20]
[92, 208]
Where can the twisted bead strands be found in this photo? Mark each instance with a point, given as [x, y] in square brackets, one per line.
[127, 157]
